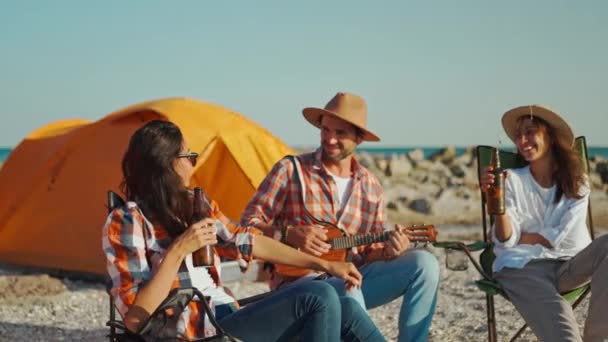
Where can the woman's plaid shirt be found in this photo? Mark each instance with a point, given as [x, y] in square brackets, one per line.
[134, 249]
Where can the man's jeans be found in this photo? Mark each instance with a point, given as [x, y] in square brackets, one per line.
[415, 276]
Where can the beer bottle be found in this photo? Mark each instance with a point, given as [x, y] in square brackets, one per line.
[204, 255]
[495, 200]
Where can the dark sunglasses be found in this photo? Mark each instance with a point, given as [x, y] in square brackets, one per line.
[192, 157]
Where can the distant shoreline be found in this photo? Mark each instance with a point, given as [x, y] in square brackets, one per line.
[600, 151]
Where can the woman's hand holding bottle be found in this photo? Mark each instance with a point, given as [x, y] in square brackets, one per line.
[199, 234]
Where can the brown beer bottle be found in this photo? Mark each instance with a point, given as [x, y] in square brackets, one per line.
[203, 256]
[495, 200]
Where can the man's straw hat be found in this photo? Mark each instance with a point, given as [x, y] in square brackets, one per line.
[348, 107]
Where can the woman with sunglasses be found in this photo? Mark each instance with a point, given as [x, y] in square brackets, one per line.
[542, 243]
[149, 243]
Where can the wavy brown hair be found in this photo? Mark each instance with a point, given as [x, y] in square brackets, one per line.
[568, 173]
[149, 177]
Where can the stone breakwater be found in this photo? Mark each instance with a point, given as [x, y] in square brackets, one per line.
[443, 189]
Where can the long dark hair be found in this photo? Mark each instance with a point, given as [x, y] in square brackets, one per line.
[150, 180]
[568, 173]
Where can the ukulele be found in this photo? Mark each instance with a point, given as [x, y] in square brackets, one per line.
[341, 243]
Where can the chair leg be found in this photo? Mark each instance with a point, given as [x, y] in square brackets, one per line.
[492, 337]
[519, 332]
[112, 317]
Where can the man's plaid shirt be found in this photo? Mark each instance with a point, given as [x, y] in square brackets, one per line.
[278, 199]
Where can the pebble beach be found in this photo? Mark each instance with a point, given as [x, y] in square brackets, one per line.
[442, 190]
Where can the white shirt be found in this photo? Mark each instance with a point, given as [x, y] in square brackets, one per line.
[343, 185]
[202, 281]
[531, 209]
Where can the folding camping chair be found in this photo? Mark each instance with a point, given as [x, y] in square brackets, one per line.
[177, 300]
[488, 284]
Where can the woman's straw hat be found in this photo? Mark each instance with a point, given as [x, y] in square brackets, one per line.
[348, 107]
[509, 121]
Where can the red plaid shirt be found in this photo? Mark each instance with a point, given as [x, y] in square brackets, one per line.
[134, 249]
[278, 199]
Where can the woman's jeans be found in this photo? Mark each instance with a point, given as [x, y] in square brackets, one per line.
[313, 311]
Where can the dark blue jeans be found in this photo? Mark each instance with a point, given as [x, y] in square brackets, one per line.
[313, 311]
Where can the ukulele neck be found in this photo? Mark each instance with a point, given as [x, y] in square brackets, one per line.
[357, 240]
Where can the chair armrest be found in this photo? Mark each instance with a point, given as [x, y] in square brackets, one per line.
[490, 287]
[467, 249]
[478, 246]
[472, 247]
[116, 324]
[163, 321]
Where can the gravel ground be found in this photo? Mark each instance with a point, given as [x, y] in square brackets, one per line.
[42, 308]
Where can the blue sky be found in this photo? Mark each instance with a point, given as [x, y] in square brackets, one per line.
[433, 72]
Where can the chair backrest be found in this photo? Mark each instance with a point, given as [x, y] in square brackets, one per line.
[510, 160]
[114, 201]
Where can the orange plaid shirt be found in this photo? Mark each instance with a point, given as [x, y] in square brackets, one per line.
[278, 199]
[135, 248]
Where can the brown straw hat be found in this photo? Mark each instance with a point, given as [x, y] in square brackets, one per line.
[348, 107]
[509, 120]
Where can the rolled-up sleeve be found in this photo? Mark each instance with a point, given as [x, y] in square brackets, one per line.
[513, 215]
[236, 240]
[124, 246]
[269, 199]
[574, 216]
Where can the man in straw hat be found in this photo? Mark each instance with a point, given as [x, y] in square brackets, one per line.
[300, 196]
[542, 243]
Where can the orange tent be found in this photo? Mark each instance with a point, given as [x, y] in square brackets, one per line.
[53, 185]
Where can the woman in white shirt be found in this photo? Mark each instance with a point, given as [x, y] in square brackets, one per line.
[542, 243]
